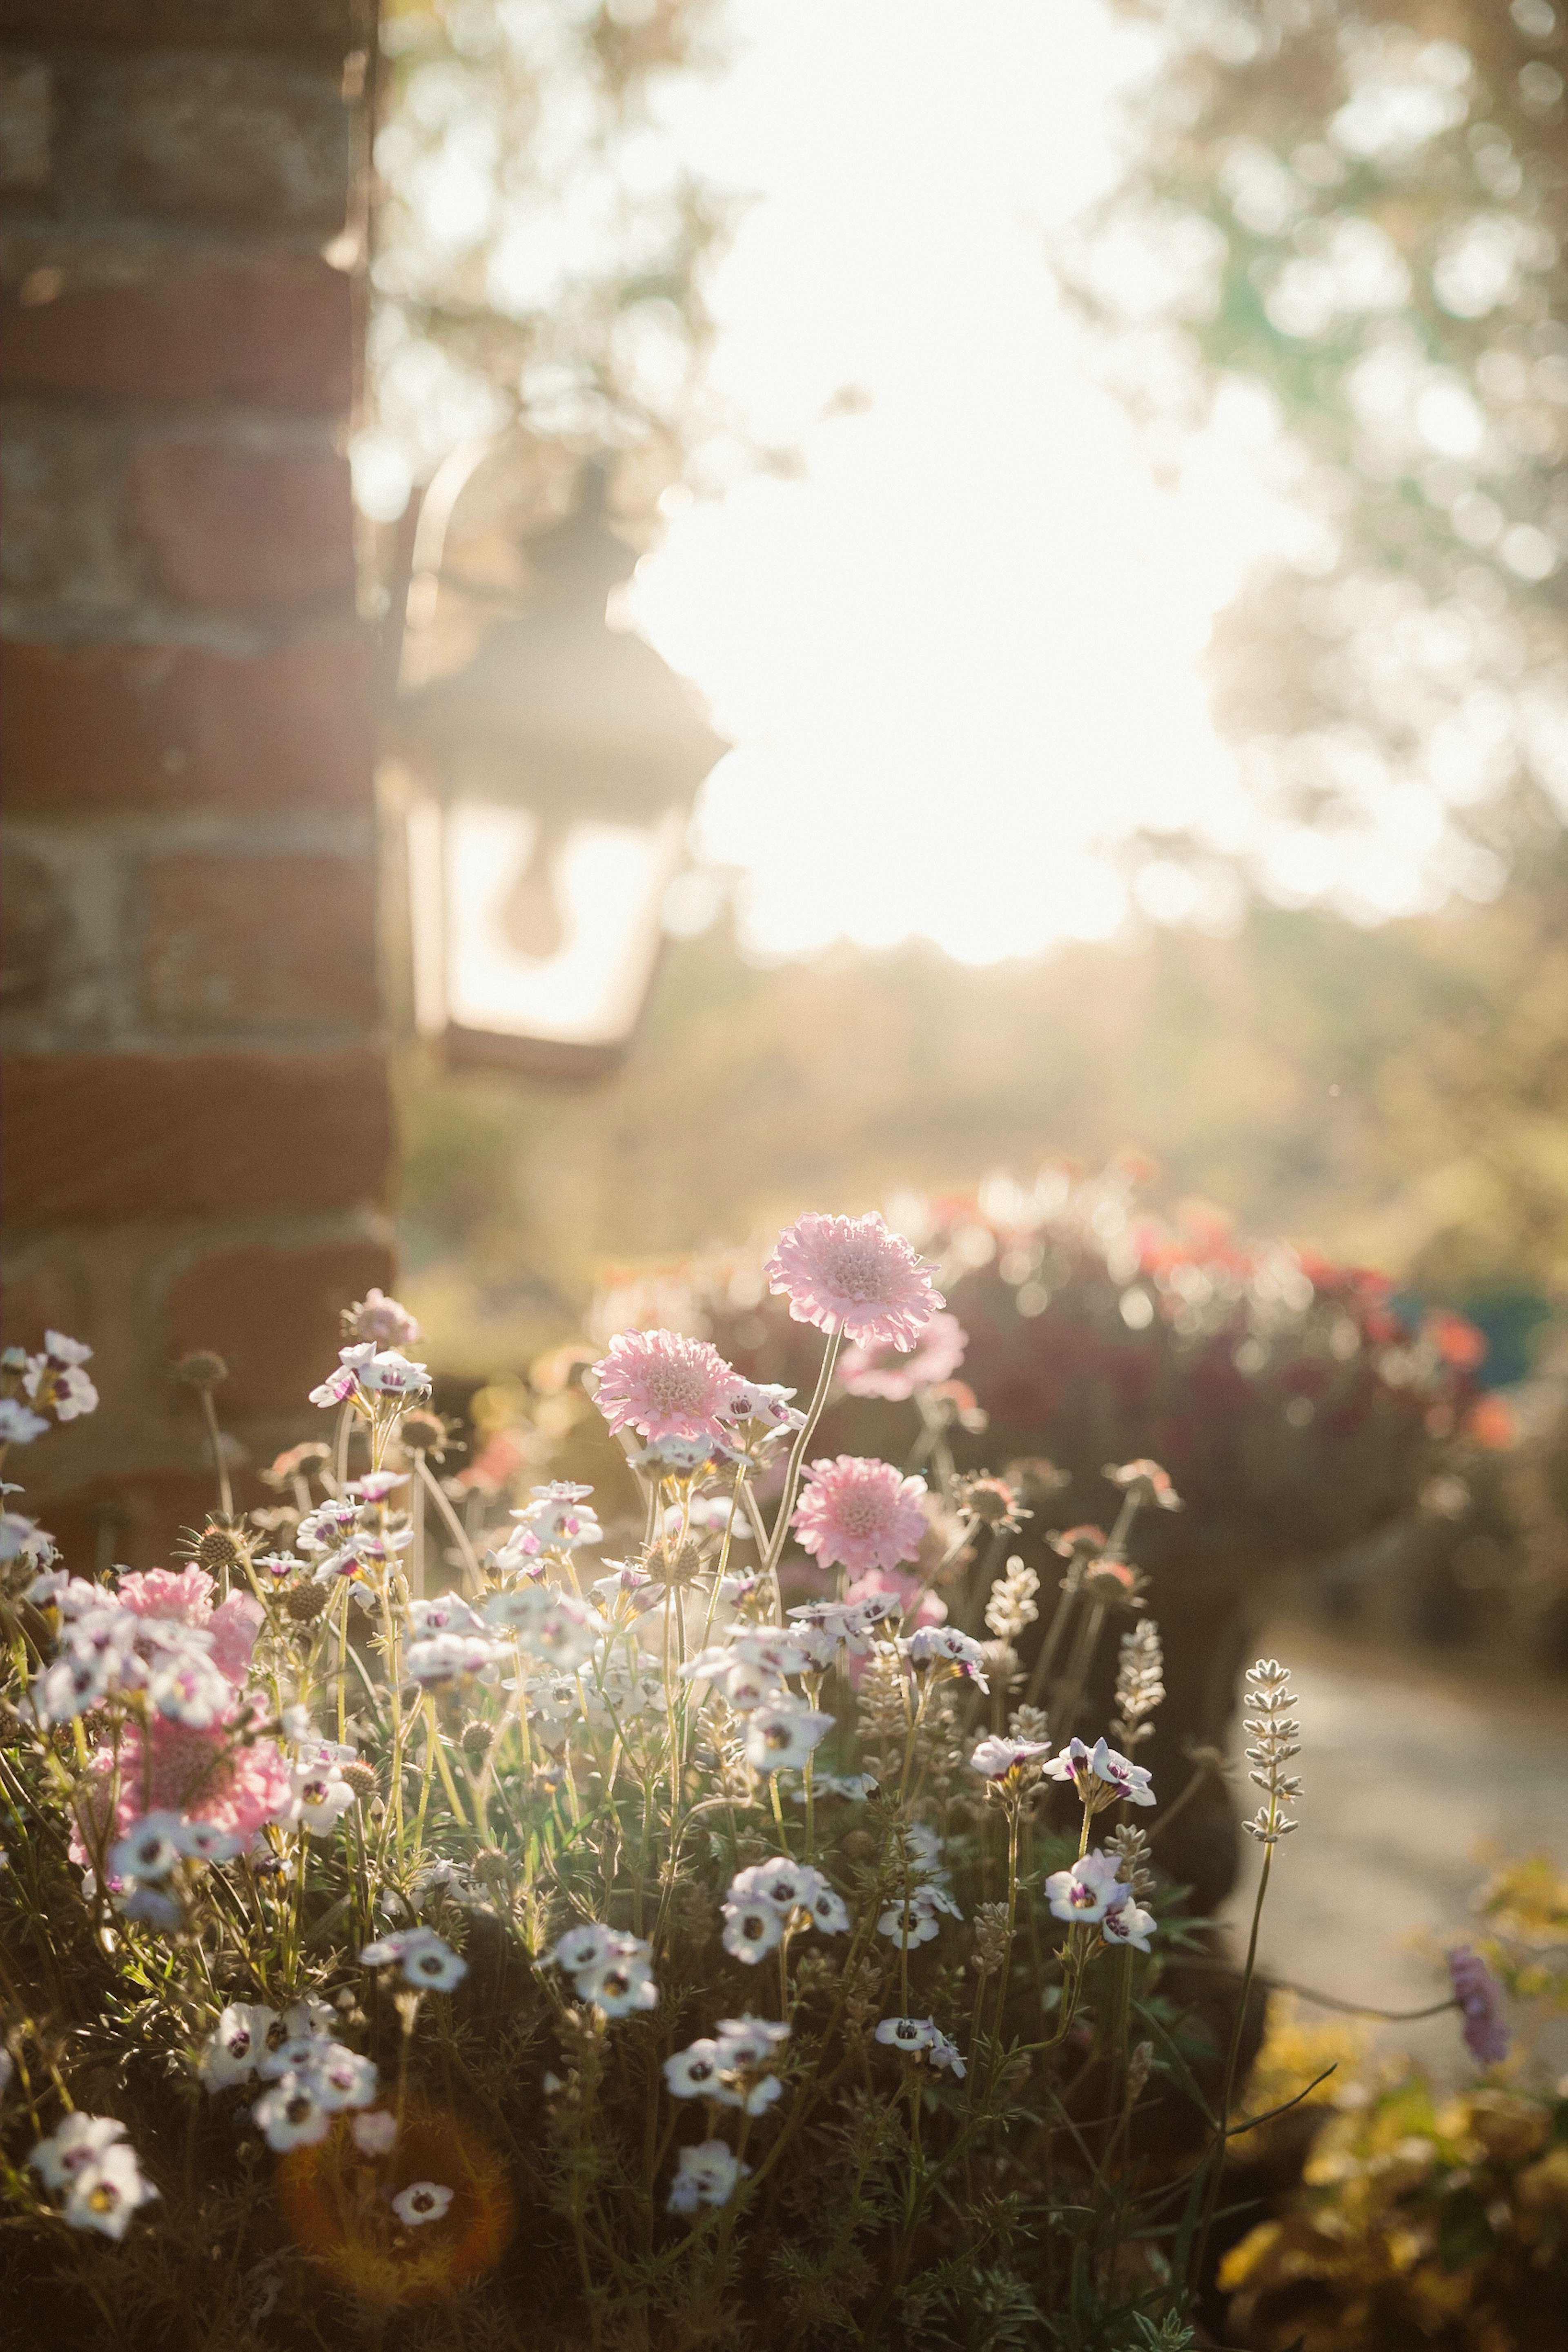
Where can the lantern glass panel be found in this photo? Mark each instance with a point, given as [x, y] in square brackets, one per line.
[522, 935]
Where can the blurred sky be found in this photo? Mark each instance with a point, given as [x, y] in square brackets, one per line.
[959, 651]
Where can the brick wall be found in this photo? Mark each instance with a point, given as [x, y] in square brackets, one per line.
[196, 1129]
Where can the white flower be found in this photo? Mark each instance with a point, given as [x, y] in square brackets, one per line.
[321, 1795]
[1007, 1759]
[751, 2040]
[762, 1400]
[694, 2072]
[293, 2053]
[151, 1907]
[829, 1911]
[19, 1425]
[374, 2134]
[1087, 1891]
[309, 2016]
[946, 2054]
[70, 1686]
[205, 1841]
[791, 1885]
[341, 2078]
[150, 1848]
[746, 1686]
[752, 1928]
[421, 2200]
[65, 1351]
[911, 2034]
[189, 1690]
[422, 1956]
[780, 1653]
[449, 1657]
[582, 1947]
[22, 1536]
[565, 1633]
[78, 2141]
[939, 1646]
[781, 1733]
[238, 2044]
[1124, 1923]
[707, 2175]
[292, 2113]
[105, 2193]
[389, 1372]
[448, 1614]
[64, 1385]
[1100, 1775]
[621, 1982]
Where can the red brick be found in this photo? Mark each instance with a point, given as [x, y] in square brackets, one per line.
[316, 27]
[242, 529]
[274, 1315]
[234, 139]
[167, 727]
[258, 944]
[273, 333]
[102, 1137]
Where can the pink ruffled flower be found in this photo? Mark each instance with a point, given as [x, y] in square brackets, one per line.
[884, 1372]
[1479, 1996]
[662, 1385]
[384, 1320]
[860, 1514]
[207, 1774]
[851, 1274]
[188, 1600]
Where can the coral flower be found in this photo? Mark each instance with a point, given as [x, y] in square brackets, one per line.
[860, 1514]
[881, 1372]
[851, 1274]
[663, 1385]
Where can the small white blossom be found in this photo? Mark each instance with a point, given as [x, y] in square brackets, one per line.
[19, 1425]
[150, 1848]
[708, 2174]
[752, 1928]
[75, 2142]
[781, 1733]
[1124, 1923]
[375, 2132]
[421, 2200]
[1087, 1891]
[422, 1956]
[1101, 1776]
[237, 2044]
[943, 1645]
[292, 2113]
[105, 2193]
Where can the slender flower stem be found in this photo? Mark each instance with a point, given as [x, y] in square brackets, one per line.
[797, 1455]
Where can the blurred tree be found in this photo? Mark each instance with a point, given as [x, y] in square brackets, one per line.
[1342, 235]
[539, 238]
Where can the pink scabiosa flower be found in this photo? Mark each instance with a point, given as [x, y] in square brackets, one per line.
[851, 1274]
[859, 1514]
[884, 1372]
[1479, 1996]
[663, 1385]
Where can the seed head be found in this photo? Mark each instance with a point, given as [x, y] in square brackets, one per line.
[358, 1775]
[201, 1369]
[303, 1602]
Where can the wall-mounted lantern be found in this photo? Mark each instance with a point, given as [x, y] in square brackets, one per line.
[559, 768]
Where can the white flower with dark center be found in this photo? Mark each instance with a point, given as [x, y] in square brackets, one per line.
[321, 1795]
[105, 2193]
[782, 1653]
[389, 1372]
[917, 1921]
[343, 2079]
[238, 2044]
[150, 1848]
[75, 2142]
[189, 1690]
[71, 1687]
[565, 1633]
[1125, 1924]
[448, 1658]
[943, 1645]
[1086, 1892]
[292, 2113]
[421, 2200]
[621, 1982]
[759, 1401]
[425, 1958]
[694, 2072]
[296, 2054]
[910, 2034]
[747, 1686]
[582, 1947]
[782, 1733]
[708, 2174]
[205, 1841]
[788, 1885]
[750, 2041]
[375, 2134]
[1007, 1761]
[448, 1614]
[752, 1928]
[829, 1911]
[1101, 1776]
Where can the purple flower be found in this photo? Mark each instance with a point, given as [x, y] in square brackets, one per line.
[1479, 1995]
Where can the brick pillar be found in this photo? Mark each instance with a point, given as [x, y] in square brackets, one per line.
[193, 1089]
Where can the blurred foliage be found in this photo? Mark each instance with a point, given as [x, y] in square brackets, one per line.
[1397, 1095]
[539, 239]
[1341, 236]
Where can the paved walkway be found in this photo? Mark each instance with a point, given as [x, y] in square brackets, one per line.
[1414, 1768]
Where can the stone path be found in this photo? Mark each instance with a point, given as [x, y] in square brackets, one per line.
[1413, 1769]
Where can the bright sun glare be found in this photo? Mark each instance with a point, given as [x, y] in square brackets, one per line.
[958, 653]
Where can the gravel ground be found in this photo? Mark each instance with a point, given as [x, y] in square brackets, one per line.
[1415, 1772]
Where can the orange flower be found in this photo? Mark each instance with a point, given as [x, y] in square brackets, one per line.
[338, 2201]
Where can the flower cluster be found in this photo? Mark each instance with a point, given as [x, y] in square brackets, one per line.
[611, 1970]
[768, 1900]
